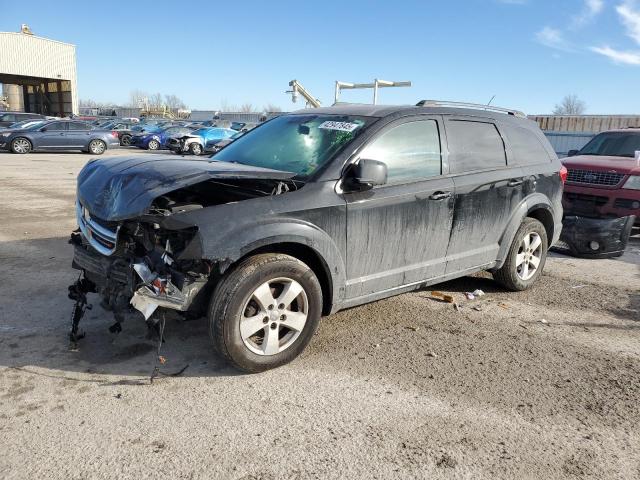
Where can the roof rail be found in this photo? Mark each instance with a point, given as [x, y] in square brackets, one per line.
[475, 106]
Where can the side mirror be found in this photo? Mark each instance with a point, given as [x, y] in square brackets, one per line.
[43, 129]
[572, 153]
[365, 175]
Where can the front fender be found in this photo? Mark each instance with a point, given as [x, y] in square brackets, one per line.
[237, 243]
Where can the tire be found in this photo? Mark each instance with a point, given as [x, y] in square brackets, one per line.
[153, 145]
[97, 147]
[195, 149]
[21, 145]
[235, 303]
[520, 271]
[125, 140]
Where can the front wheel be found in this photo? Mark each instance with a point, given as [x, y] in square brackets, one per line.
[125, 140]
[20, 145]
[526, 258]
[195, 149]
[97, 147]
[153, 145]
[264, 312]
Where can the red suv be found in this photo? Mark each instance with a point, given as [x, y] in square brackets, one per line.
[604, 177]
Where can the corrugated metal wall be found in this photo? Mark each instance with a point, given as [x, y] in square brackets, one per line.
[585, 123]
[562, 142]
[31, 56]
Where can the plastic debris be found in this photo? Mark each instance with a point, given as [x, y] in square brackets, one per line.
[469, 295]
[478, 293]
[544, 321]
[442, 296]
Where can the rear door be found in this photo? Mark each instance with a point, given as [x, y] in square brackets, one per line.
[397, 234]
[78, 135]
[487, 191]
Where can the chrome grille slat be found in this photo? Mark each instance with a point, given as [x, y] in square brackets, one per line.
[98, 236]
[591, 177]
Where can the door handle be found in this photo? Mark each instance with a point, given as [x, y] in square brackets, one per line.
[61, 134]
[515, 182]
[439, 195]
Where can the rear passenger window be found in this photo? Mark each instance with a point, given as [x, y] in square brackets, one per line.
[474, 146]
[526, 147]
[411, 151]
[79, 126]
[57, 126]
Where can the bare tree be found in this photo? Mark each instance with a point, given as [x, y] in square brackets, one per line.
[246, 108]
[225, 106]
[155, 101]
[570, 105]
[173, 102]
[270, 107]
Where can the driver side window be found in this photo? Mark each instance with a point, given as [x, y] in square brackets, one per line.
[411, 151]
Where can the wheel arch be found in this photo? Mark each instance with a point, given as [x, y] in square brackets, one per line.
[535, 206]
[305, 254]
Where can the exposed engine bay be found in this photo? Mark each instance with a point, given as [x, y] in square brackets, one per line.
[143, 264]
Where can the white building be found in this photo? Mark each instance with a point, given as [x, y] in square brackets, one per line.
[38, 74]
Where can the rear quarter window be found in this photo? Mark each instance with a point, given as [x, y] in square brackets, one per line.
[526, 147]
[474, 145]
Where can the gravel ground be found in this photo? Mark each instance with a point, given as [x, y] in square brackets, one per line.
[537, 384]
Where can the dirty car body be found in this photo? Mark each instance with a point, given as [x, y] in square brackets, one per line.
[158, 232]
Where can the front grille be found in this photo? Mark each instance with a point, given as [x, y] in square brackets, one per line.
[101, 237]
[592, 177]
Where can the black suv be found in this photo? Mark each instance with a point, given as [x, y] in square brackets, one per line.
[9, 118]
[317, 211]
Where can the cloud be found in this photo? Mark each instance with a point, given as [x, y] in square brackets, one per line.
[624, 57]
[553, 38]
[629, 14]
[590, 10]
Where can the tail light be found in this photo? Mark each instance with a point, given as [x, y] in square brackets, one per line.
[563, 174]
[115, 134]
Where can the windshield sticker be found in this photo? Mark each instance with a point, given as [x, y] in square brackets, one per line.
[342, 126]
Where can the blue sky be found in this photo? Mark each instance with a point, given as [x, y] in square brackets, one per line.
[529, 53]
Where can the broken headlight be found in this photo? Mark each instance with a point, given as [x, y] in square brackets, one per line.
[632, 183]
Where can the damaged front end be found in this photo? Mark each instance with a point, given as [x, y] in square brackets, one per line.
[137, 264]
[137, 245]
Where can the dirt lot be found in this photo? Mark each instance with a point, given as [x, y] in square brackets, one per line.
[539, 384]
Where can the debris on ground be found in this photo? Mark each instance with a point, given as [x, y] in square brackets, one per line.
[442, 296]
[432, 354]
[544, 321]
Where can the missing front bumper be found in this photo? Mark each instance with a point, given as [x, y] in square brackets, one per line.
[595, 237]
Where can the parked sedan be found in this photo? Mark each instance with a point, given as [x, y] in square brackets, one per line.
[9, 118]
[59, 135]
[158, 139]
[200, 141]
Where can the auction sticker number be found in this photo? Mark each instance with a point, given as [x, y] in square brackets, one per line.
[342, 126]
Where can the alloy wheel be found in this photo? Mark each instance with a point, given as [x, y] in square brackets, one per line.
[97, 147]
[274, 316]
[21, 145]
[529, 256]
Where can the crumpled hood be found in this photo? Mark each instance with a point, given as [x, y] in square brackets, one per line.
[114, 189]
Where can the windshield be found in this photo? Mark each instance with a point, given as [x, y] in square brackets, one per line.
[615, 144]
[295, 143]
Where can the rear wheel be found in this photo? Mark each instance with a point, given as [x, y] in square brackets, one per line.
[97, 147]
[153, 145]
[526, 258]
[20, 145]
[195, 148]
[263, 313]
